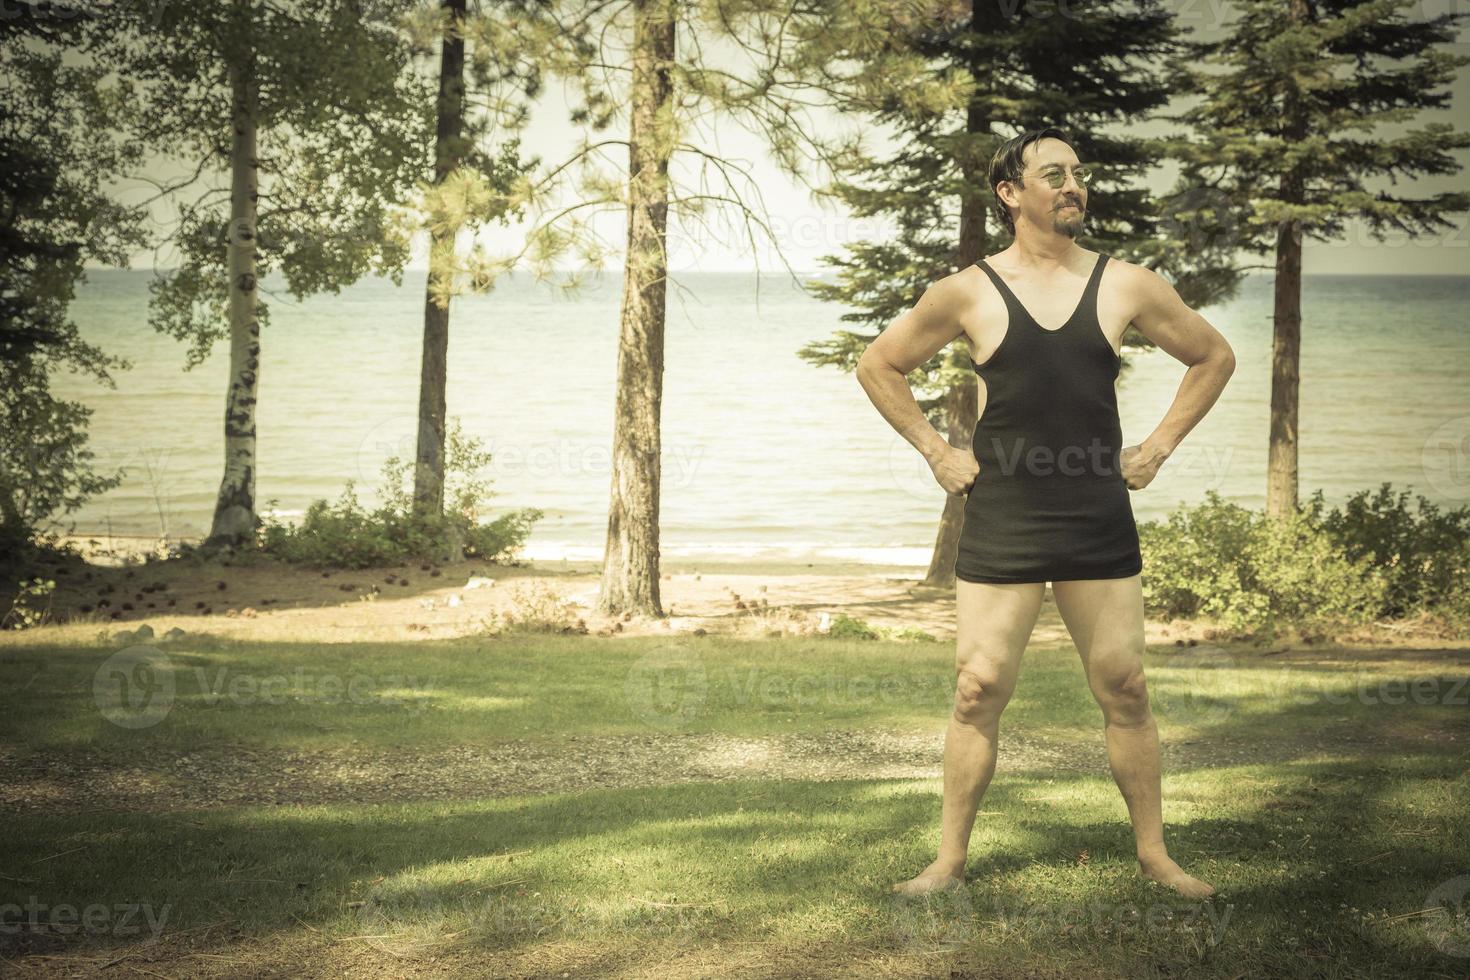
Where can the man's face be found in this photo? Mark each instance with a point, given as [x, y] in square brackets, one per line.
[1062, 209]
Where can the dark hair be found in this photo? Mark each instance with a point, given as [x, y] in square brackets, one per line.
[1008, 163]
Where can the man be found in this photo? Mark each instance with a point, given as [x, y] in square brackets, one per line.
[1047, 479]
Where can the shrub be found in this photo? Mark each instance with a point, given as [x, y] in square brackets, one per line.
[537, 608]
[345, 534]
[1252, 574]
[845, 627]
[23, 613]
[1425, 557]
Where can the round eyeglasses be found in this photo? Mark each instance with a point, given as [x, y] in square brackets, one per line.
[1057, 177]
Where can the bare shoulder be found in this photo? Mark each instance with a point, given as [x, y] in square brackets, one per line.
[956, 299]
[959, 290]
[977, 304]
[1153, 306]
[1137, 284]
[941, 314]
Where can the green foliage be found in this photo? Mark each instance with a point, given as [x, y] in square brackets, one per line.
[1425, 555]
[22, 614]
[344, 128]
[1252, 574]
[537, 608]
[845, 627]
[1371, 558]
[45, 465]
[908, 634]
[344, 534]
[1351, 81]
[61, 151]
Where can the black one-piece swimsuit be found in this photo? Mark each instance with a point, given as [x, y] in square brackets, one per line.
[1049, 503]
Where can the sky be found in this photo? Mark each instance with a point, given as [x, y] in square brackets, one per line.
[803, 230]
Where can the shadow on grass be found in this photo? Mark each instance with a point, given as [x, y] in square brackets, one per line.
[704, 864]
[1338, 804]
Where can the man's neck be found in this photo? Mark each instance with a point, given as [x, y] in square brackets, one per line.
[1038, 251]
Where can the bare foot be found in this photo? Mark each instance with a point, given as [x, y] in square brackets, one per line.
[935, 878]
[1162, 869]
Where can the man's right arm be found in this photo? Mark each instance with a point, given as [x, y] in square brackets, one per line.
[908, 342]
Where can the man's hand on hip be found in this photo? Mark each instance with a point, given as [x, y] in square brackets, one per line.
[955, 470]
[1139, 465]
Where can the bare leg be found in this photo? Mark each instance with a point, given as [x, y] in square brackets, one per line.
[993, 623]
[1105, 619]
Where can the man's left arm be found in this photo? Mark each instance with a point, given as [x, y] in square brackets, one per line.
[1161, 316]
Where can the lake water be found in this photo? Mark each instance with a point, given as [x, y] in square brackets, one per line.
[765, 456]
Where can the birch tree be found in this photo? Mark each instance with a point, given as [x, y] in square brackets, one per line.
[671, 66]
[299, 129]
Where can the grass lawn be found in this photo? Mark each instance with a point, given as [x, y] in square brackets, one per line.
[1327, 801]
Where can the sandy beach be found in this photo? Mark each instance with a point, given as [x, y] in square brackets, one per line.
[270, 601]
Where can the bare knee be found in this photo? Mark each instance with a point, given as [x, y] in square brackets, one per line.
[1123, 697]
[980, 694]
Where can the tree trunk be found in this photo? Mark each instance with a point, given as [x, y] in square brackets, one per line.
[1281, 459]
[961, 402]
[428, 474]
[630, 568]
[234, 509]
[1286, 346]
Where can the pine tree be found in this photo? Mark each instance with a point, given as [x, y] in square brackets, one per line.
[490, 66]
[1302, 108]
[660, 61]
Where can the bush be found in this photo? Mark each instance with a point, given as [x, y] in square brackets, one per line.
[24, 613]
[346, 535]
[845, 627]
[1425, 557]
[1252, 574]
[537, 608]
